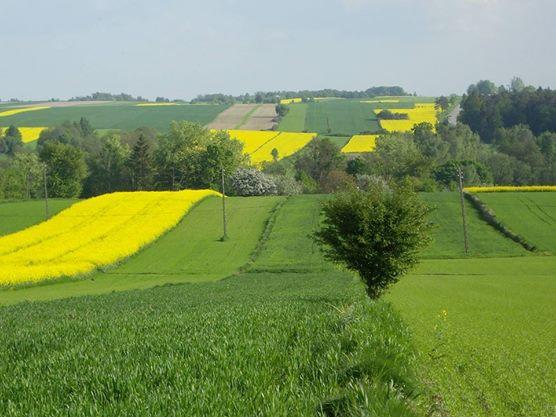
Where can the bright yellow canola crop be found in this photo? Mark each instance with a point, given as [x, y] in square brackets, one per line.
[506, 188]
[360, 144]
[422, 112]
[92, 234]
[290, 100]
[28, 134]
[22, 110]
[259, 144]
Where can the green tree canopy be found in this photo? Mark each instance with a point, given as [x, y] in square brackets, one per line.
[377, 233]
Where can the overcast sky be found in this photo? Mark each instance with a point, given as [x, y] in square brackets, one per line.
[181, 48]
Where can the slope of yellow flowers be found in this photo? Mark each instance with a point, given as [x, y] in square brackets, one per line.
[507, 188]
[22, 110]
[92, 234]
[360, 144]
[422, 112]
[259, 144]
[28, 134]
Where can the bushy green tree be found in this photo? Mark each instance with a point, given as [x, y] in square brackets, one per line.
[66, 169]
[11, 141]
[377, 233]
[177, 155]
[318, 159]
[221, 153]
[140, 165]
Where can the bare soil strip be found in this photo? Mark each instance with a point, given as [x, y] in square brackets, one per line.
[262, 119]
[231, 117]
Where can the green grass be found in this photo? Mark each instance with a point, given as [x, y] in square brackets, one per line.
[484, 240]
[191, 252]
[265, 343]
[118, 116]
[493, 355]
[290, 333]
[340, 117]
[294, 121]
[529, 214]
[18, 215]
[339, 141]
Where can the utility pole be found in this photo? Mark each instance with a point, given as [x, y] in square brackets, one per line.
[224, 220]
[463, 216]
[47, 213]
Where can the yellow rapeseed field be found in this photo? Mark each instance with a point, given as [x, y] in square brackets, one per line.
[22, 110]
[422, 112]
[287, 143]
[92, 234]
[259, 144]
[506, 188]
[28, 134]
[360, 144]
[252, 139]
[290, 100]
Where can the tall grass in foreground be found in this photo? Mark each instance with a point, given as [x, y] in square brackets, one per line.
[261, 344]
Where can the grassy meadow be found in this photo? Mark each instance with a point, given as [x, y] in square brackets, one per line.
[262, 324]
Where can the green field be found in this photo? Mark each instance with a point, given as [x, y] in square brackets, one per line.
[294, 120]
[18, 215]
[285, 332]
[191, 252]
[484, 241]
[126, 116]
[493, 354]
[340, 117]
[532, 215]
[266, 342]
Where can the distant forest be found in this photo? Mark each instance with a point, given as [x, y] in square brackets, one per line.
[486, 108]
[275, 96]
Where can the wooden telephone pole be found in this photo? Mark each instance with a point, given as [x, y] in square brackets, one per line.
[224, 219]
[463, 216]
[47, 212]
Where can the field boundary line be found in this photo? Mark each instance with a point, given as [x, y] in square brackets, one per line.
[268, 141]
[267, 230]
[246, 117]
[489, 216]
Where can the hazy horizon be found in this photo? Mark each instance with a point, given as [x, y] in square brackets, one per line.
[176, 49]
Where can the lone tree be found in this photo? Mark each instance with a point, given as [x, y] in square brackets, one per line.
[377, 233]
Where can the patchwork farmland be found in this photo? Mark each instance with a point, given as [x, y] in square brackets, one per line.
[143, 297]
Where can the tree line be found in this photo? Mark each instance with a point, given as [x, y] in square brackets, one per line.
[486, 108]
[276, 96]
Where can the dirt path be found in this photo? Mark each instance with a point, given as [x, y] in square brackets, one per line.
[246, 116]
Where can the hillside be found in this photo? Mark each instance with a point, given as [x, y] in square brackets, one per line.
[278, 324]
[118, 115]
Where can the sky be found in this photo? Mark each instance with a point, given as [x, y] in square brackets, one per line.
[181, 48]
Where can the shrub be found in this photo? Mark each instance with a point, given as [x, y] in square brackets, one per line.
[376, 233]
[250, 182]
